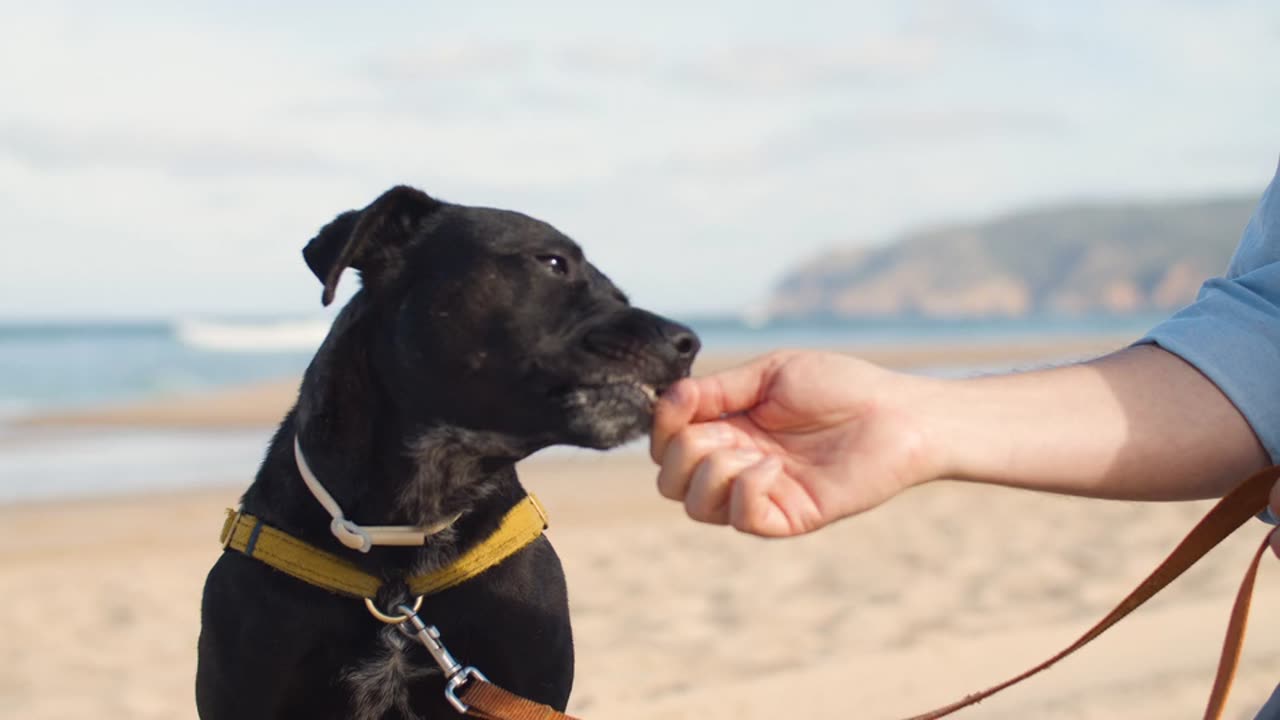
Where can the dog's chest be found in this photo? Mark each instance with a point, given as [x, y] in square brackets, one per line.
[380, 684]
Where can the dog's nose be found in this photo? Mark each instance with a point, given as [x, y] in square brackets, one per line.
[684, 341]
[677, 343]
[672, 342]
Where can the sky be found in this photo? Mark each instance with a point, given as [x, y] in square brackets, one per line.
[171, 159]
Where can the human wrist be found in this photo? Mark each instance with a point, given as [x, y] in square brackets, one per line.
[928, 444]
[964, 434]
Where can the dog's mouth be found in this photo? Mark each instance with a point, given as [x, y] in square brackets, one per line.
[605, 412]
[613, 388]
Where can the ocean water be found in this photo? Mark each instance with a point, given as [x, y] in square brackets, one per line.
[51, 366]
[56, 366]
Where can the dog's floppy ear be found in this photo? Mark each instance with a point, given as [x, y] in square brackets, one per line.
[370, 240]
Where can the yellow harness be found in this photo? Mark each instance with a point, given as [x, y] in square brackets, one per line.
[247, 534]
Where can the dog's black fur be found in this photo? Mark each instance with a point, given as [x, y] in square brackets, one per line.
[479, 337]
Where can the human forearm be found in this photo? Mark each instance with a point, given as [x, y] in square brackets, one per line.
[1139, 424]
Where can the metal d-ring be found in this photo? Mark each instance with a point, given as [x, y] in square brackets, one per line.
[455, 674]
[392, 619]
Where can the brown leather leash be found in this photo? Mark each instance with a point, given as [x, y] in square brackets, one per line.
[1233, 511]
[489, 702]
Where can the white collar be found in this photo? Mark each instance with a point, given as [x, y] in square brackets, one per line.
[358, 537]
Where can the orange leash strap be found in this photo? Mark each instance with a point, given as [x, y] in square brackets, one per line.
[1233, 511]
[489, 702]
[1234, 641]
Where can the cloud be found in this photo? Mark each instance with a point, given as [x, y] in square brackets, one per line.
[61, 149]
[987, 24]
[470, 69]
[845, 135]
[449, 61]
[776, 69]
[695, 149]
[610, 60]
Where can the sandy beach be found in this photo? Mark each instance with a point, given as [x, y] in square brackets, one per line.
[941, 592]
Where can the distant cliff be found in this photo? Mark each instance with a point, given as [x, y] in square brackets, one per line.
[1067, 260]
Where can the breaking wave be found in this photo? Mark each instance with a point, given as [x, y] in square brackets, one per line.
[252, 336]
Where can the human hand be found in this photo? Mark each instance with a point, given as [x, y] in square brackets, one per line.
[789, 442]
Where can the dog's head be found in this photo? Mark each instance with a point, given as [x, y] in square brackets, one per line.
[493, 321]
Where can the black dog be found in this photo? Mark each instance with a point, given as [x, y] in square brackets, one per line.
[479, 337]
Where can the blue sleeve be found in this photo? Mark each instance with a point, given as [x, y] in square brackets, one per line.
[1231, 333]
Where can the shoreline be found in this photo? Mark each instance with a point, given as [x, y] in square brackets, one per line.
[203, 440]
[264, 404]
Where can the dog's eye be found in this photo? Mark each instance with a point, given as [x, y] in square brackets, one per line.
[555, 264]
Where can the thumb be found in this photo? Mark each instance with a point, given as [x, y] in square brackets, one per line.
[673, 412]
[736, 389]
[709, 398]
